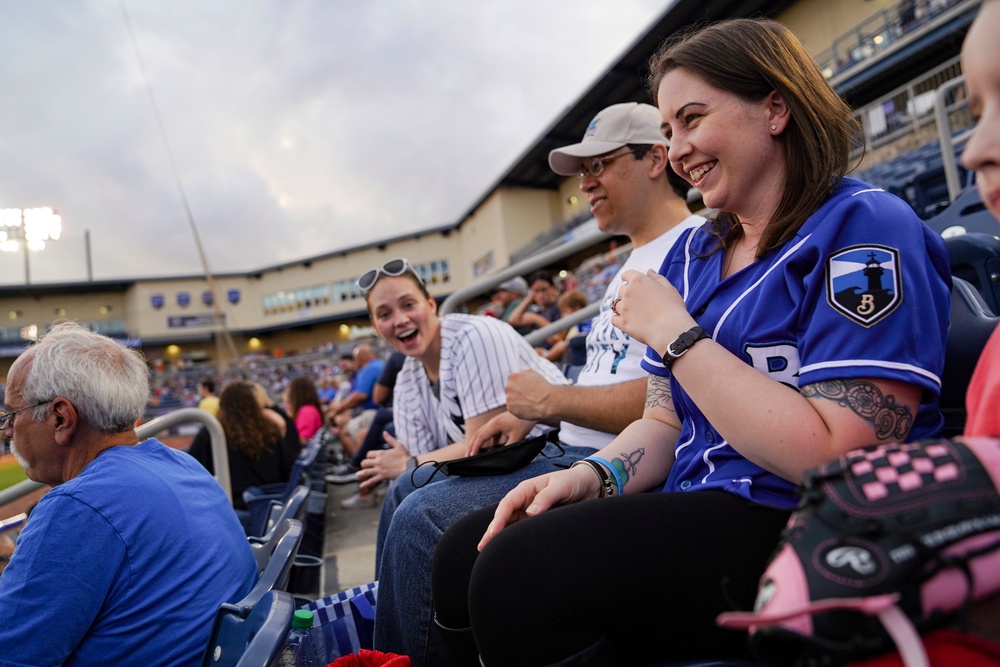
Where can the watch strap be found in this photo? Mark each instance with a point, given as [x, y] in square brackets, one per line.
[682, 344]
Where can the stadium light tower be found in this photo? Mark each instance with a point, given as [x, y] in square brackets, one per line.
[30, 228]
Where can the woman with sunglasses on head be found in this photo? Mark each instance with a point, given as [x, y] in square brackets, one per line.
[452, 381]
[779, 336]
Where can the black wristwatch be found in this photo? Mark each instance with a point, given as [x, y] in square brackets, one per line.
[682, 344]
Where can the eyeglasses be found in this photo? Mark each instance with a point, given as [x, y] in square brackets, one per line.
[7, 418]
[595, 165]
[392, 268]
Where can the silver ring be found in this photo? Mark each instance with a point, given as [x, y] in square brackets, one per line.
[614, 306]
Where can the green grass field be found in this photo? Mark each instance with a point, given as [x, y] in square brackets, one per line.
[10, 473]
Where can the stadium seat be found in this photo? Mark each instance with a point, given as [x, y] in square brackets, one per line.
[294, 507]
[971, 325]
[250, 636]
[259, 499]
[966, 214]
[275, 558]
[975, 258]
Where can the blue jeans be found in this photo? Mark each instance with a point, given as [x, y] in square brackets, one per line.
[412, 522]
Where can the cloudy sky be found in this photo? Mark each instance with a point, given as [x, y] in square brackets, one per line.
[297, 127]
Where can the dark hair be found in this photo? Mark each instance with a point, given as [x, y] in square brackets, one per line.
[541, 275]
[750, 58]
[247, 429]
[675, 180]
[302, 391]
[209, 384]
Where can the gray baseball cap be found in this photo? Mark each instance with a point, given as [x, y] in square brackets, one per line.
[612, 128]
[517, 284]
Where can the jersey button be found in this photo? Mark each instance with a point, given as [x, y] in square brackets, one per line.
[710, 437]
[685, 485]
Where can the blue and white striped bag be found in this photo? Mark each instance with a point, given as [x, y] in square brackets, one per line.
[344, 623]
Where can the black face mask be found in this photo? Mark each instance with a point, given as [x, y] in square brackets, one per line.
[496, 460]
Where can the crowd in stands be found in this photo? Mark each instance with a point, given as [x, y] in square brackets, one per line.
[527, 303]
[682, 436]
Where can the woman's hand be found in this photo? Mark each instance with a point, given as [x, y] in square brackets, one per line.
[533, 496]
[505, 428]
[651, 310]
[384, 463]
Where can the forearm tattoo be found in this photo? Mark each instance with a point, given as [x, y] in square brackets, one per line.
[658, 394]
[890, 419]
[626, 466]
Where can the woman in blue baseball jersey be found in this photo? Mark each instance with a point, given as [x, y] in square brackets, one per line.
[808, 318]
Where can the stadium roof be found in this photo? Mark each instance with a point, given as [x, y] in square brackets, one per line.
[624, 81]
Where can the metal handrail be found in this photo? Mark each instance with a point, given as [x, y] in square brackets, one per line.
[948, 142]
[220, 458]
[539, 336]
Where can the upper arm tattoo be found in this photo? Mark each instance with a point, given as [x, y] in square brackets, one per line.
[658, 394]
[890, 419]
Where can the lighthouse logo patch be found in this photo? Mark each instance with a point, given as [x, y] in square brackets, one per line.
[863, 283]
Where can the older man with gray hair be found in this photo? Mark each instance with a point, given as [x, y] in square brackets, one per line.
[128, 557]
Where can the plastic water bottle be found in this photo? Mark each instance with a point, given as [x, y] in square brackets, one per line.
[300, 651]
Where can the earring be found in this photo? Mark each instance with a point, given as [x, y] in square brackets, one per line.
[774, 127]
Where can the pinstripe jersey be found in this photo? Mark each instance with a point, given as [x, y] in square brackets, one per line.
[861, 291]
[477, 355]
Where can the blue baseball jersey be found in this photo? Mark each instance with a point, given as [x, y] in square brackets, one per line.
[861, 291]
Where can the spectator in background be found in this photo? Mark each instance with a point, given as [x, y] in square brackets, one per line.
[272, 411]
[568, 281]
[568, 303]
[208, 401]
[345, 379]
[326, 391]
[371, 438]
[302, 404]
[505, 299]
[126, 560]
[355, 412]
[539, 308]
[260, 451]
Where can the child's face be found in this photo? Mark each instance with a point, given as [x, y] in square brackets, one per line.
[981, 65]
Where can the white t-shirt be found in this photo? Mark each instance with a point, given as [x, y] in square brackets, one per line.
[612, 356]
[477, 354]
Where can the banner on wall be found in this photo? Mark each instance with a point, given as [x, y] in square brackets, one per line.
[207, 298]
[234, 296]
[183, 299]
[157, 301]
[194, 321]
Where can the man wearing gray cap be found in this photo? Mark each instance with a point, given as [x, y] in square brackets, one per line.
[511, 293]
[632, 191]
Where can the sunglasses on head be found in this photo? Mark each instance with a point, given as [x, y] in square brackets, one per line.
[392, 268]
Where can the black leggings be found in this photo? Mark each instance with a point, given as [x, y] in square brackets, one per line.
[610, 581]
